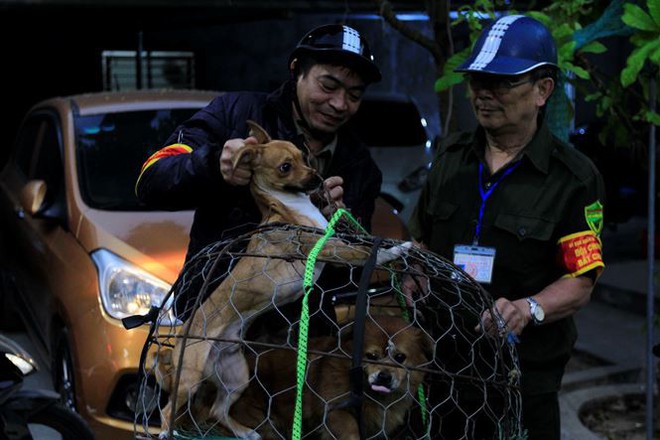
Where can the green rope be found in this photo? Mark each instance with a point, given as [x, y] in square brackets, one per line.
[308, 284]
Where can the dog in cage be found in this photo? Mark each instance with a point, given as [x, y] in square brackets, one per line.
[208, 347]
[394, 356]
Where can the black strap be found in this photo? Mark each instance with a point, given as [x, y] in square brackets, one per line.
[131, 322]
[356, 374]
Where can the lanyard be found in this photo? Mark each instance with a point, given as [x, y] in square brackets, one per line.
[486, 194]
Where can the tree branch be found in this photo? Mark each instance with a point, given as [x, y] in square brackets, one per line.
[386, 11]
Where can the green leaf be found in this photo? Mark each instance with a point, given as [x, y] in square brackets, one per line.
[540, 16]
[562, 31]
[621, 136]
[652, 117]
[446, 81]
[450, 78]
[636, 17]
[593, 97]
[655, 55]
[635, 62]
[606, 102]
[654, 9]
[641, 38]
[455, 60]
[579, 71]
[566, 51]
[594, 47]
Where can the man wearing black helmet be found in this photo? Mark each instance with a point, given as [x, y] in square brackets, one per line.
[331, 68]
[521, 212]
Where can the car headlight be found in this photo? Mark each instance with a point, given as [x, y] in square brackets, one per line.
[127, 290]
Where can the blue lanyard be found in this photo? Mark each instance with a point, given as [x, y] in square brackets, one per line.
[486, 194]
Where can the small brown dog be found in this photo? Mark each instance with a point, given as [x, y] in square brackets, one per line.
[390, 385]
[280, 182]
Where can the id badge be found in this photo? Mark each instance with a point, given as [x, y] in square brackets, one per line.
[477, 261]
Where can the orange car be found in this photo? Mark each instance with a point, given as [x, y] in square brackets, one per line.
[81, 253]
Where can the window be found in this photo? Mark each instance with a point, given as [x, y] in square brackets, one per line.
[159, 70]
[111, 149]
[389, 123]
[26, 144]
[49, 167]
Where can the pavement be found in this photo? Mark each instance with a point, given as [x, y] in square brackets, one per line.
[612, 330]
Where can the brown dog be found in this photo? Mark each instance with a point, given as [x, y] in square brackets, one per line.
[390, 386]
[280, 182]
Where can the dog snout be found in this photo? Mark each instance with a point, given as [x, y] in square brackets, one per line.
[314, 181]
[384, 378]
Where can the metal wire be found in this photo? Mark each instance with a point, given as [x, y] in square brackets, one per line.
[468, 377]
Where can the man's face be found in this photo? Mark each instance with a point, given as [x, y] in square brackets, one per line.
[507, 103]
[329, 95]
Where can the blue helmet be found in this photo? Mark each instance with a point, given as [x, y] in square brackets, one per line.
[339, 44]
[512, 45]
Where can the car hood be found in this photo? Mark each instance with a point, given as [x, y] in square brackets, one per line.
[155, 241]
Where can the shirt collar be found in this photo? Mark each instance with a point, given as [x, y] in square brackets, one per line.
[536, 151]
[327, 149]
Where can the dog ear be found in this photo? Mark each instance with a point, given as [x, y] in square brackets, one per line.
[258, 132]
[245, 155]
[346, 333]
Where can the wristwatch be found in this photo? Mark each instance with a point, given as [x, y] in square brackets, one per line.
[535, 309]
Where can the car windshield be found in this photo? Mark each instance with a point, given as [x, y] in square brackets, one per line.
[389, 123]
[111, 149]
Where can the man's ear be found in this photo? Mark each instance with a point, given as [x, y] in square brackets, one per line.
[247, 154]
[292, 68]
[546, 86]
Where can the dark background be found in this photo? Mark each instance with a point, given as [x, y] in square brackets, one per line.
[53, 47]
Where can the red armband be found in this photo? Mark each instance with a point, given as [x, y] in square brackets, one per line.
[170, 150]
[580, 252]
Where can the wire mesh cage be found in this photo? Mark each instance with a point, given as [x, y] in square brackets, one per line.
[286, 333]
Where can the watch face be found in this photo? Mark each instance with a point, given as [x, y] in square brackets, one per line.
[539, 314]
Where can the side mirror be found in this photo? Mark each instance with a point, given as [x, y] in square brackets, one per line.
[32, 196]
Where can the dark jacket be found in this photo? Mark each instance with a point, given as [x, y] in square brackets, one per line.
[193, 181]
[541, 204]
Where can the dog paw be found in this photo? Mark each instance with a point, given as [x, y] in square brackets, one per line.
[164, 435]
[387, 255]
[250, 435]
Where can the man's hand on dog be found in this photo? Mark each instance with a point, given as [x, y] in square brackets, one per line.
[242, 173]
[330, 196]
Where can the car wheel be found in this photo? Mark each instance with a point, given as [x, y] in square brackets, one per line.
[63, 375]
[9, 318]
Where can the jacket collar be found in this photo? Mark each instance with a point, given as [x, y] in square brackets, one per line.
[279, 104]
[537, 151]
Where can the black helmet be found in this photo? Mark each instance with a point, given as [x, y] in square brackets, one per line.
[512, 45]
[342, 44]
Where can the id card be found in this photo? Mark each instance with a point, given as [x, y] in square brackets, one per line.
[477, 261]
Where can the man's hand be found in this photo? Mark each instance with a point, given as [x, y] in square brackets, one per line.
[242, 173]
[333, 194]
[509, 317]
[415, 287]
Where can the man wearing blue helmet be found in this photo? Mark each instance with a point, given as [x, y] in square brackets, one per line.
[522, 213]
[331, 68]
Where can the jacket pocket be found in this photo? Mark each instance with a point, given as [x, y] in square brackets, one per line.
[526, 228]
[442, 210]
